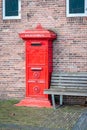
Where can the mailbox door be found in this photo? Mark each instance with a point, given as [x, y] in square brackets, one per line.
[36, 53]
[36, 57]
[36, 81]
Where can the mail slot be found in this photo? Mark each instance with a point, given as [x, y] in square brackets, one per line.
[38, 44]
[36, 69]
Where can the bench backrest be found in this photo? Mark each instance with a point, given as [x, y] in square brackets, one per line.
[69, 80]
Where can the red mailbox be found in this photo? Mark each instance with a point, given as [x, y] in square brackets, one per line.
[38, 65]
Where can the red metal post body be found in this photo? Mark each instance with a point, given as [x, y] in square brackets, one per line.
[38, 65]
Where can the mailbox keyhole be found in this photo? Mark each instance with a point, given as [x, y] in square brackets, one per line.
[36, 75]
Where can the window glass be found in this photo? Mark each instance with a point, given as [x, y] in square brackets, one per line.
[11, 7]
[76, 6]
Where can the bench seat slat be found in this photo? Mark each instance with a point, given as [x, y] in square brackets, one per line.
[68, 84]
[69, 81]
[70, 74]
[67, 89]
[69, 93]
[69, 78]
[72, 87]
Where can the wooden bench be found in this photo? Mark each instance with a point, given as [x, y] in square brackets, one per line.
[71, 84]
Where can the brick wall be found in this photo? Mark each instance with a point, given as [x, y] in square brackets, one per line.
[69, 49]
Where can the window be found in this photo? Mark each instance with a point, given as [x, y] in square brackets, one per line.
[76, 8]
[11, 9]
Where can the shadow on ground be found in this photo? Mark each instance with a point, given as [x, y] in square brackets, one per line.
[17, 127]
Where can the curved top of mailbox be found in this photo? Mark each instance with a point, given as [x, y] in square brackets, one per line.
[38, 32]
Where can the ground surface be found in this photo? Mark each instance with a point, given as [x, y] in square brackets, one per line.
[28, 118]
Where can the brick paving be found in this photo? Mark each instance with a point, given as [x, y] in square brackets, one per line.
[62, 118]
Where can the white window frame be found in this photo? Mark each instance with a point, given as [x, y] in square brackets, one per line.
[12, 17]
[76, 14]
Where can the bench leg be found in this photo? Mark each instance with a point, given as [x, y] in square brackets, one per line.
[53, 101]
[61, 100]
